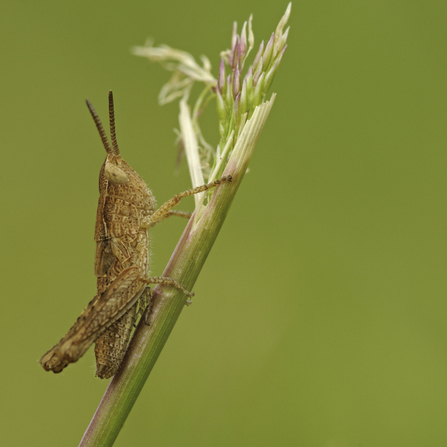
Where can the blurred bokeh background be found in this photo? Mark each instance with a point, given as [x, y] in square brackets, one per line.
[319, 318]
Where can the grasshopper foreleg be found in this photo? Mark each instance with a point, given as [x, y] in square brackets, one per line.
[166, 209]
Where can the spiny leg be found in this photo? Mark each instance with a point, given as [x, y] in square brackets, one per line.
[183, 214]
[170, 213]
[167, 206]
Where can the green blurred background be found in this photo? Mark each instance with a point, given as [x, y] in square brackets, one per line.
[319, 318]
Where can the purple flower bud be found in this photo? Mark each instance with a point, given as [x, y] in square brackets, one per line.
[248, 81]
[234, 36]
[221, 108]
[258, 56]
[258, 72]
[281, 42]
[279, 59]
[221, 80]
[268, 52]
[249, 73]
[279, 28]
[237, 115]
[282, 52]
[259, 90]
[241, 55]
[234, 57]
[251, 37]
[285, 35]
[229, 92]
[243, 101]
[236, 81]
[270, 75]
[243, 41]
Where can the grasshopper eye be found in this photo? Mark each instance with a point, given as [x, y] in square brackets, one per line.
[114, 174]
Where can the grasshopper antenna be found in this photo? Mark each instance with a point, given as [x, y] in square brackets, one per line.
[112, 124]
[98, 123]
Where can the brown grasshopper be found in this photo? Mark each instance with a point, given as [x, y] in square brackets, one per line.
[126, 210]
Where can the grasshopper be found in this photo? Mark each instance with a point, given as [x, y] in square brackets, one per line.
[126, 210]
